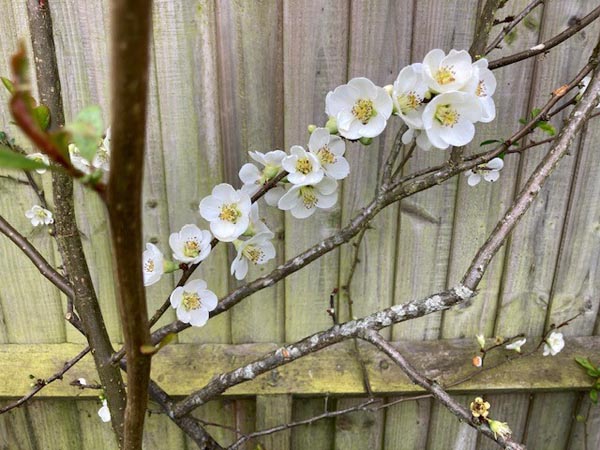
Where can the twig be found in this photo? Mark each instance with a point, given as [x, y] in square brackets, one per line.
[436, 390]
[547, 45]
[392, 157]
[41, 384]
[286, 426]
[511, 25]
[36, 258]
[404, 160]
[485, 23]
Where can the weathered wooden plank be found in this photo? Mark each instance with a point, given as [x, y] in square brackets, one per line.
[531, 255]
[82, 59]
[584, 431]
[446, 432]
[360, 429]
[92, 430]
[318, 435]
[251, 89]
[186, 72]
[407, 424]
[15, 430]
[272, 411]
[55, 424]
[330, 371]
[550, 417]
[315, 50]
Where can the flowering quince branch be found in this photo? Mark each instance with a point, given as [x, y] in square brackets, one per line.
[444, 300]
[438, 393]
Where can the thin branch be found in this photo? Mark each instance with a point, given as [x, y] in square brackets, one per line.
[511, 25]
[436, 390]
[42, 383]
[130, 42]
[485, 23]
[36, 258]
[547, 45]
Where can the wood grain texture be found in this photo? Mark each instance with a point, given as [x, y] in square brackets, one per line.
[250, 36]
[331, 371]
[272, 411]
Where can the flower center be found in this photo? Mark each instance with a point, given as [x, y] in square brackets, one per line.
[191, 249]
[480, 91]
[308, 197]
[363, 110]
[446, 115]
[325, 155]
[41, 213]
[445, 75]
[230, 213]
[253, 253]
[190, 301]
[304, 166]
[102, 155]
[409, 102]
[149, 266]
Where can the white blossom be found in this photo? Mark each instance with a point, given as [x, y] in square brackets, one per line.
[448, 119]
[303, 201]
[483, 85]
[258, 249]
[41, 158]
[516, 346]
[329, 150]
[303, 167]
[360, 108]
[554, 344]
[39, 216]
[82, 381]
[445, 73]
[193, 302]
[480, 340]
[489, 172]
[253, 178]
[104, 412]
[227, 210]
[409, 93]
[256, 225]
[152, 264]
[78, 161]
[191, 244]
[499, 428]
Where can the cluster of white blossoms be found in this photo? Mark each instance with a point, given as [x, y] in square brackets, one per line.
[439, 100]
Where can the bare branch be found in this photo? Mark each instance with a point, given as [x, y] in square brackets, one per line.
[36, 258]
[436, 390]
[512, 24]
[485, 22]
[547, 45]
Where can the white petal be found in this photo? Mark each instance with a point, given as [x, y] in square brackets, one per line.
[210, 208]
[198, 317]
[209, 299]
[474, 179]
[176, 297]
[495, 164]
[318, 139]
[249, 173]
[491, 175]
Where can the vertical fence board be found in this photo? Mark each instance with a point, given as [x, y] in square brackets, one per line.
[94, 432]
[273, 410]
[185, 49]
[529, 275]
[318, 435]
[251, 84]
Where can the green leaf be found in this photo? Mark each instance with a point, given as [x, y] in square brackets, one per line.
[12, 160]
[41, 114]
[585, 363]
[580, 418]
[87, 130]
[593, 373]
[535, 112]
[594, 395]
[491, 141]
[523, 121]
[546, 127]
[10, 87]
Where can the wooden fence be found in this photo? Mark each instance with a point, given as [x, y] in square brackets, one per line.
[233, 76]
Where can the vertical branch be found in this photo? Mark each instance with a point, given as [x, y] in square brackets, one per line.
[67, 234]
[131, 25]
[484, 26]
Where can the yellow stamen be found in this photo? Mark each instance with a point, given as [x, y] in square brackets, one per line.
[304, 166]
[325, 155]
[253, 253]
[190, 301]
[308, 197]
[409, 102]
[445, 75]
[480, 91]
[191, 249]
[149, 266]
[230, 213]
[363, 110]
[446, 115]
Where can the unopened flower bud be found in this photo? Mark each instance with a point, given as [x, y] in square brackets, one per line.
[311, 128]
[331, 125]
[366, 140]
